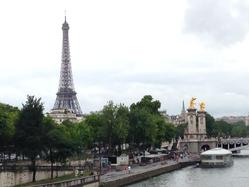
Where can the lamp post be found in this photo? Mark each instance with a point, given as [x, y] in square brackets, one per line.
[98, 151]
[100, 160]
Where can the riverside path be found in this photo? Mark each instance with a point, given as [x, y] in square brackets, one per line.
[120, 178]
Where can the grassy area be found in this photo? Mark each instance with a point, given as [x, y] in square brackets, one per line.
[57, 179]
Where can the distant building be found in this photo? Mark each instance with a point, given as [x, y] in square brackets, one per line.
[164, 114]
[247, 120]
[61, 115]
[232, 119]
[176, 119]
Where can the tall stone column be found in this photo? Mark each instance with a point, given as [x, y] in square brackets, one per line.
[202, 124]
[192, 129]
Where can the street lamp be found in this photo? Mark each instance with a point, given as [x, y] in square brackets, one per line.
[97, 148]
[100, 160]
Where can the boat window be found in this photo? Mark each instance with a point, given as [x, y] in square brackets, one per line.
[219, 157]
[206, 157]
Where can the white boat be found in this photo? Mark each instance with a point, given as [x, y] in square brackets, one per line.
[216, 157]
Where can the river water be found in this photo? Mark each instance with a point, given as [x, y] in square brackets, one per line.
[234, 176]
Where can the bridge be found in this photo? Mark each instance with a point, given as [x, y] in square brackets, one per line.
[195, 135]
[199, 145]
[233, 144]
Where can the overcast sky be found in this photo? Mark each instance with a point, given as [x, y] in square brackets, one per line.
[123, 50]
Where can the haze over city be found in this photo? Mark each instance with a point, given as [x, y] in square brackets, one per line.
[123, 50]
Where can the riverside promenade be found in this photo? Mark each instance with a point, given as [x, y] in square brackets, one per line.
[138, 173]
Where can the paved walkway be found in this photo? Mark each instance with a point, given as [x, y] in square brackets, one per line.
[115, 175]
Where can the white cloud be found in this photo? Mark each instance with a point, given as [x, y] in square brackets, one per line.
[122, 50]
[224, 21]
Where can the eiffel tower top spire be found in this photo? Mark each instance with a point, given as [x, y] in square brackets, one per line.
[66, 96]
[65, 12]
[66, 77]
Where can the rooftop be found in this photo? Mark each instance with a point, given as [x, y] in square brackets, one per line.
[217, 151]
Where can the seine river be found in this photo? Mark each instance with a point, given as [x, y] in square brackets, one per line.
[234, 176]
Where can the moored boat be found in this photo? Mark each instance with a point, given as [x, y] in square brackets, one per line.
[216, 157]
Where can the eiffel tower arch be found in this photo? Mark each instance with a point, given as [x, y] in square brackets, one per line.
[66, 105]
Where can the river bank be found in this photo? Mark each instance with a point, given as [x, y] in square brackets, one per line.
[139, 173]
[236, 175]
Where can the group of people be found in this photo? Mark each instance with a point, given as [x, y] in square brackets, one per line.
[128, 169]
[176, 156]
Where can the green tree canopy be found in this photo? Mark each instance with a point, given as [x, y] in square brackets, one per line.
[29, 128]
[110, 125]
[210, 126]
[222, 129]
[8, 117]
[148, 127]
[239, 129]
[180, 129]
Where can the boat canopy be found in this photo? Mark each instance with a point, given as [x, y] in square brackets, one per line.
[217, 151]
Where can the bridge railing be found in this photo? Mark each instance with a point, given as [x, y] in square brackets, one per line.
[233, 144]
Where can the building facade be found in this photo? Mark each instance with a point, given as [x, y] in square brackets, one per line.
[176, 119]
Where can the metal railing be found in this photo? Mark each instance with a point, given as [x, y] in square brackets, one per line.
[71, 182]
[5, 167]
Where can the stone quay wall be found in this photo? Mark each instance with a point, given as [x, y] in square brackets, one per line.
[89, 181]
[12, 178]
[145, 175]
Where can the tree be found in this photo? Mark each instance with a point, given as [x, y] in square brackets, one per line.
[121, 126]
[222, 128]
[110, 125]
[164, 131]
[146, 122]
[8, 117]
[51, 141]
[82, 135]
[170, 132]
[108, 122]
[239, 129]
[180, 129]
[94, 122]
[210, 126]
[29, 128]
[143, 128]
[65, 140]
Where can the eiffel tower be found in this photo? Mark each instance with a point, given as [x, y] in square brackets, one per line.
[66, 100]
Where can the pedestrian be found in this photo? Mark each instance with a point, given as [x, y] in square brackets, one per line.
[177, 157]
[129, 169]
[181, 155]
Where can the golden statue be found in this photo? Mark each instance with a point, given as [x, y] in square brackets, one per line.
[202, 107]
[192, 103]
